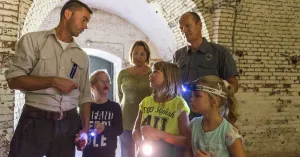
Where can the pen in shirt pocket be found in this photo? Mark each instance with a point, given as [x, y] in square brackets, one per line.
[73, 71]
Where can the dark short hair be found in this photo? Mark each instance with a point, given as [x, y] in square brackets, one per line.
[74, 5]
[146, 47]
[196, 17]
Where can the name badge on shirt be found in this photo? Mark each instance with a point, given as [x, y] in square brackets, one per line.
[73, 71]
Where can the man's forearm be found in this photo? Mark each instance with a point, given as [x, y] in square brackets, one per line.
[235, 86]
[31, 83]
[233, 82]
[85, 112]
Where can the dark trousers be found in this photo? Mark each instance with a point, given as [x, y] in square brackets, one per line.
[38, 136]
[180, 151]
[127, 144]
[99, 154]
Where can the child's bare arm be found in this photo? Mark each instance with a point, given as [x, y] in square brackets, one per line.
[188, 150]
[181, 139]
[136, 133]
[236, 149]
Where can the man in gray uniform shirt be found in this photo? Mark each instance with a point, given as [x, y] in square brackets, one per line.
[201, 58]
[53, 72]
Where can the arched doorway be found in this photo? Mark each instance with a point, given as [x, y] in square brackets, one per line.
[103, 60]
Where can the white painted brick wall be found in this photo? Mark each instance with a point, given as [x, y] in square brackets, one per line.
[8, 35]
[172, 10]
[269, 99]
[105, 28]
[267, 35]
[37, 13]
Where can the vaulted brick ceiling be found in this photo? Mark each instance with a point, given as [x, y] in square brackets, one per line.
[144, 17]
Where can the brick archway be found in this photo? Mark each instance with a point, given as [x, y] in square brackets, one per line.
[264, 36]
[136, 12]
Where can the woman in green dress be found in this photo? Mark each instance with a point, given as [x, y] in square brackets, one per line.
[133, 87]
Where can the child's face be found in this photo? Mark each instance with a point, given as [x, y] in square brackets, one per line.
[200, 102]
[156, 79]
[102, 84]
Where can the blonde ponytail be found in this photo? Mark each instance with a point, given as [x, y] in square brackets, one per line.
[231, 115]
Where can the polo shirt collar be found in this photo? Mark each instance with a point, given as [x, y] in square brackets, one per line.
[205, 47]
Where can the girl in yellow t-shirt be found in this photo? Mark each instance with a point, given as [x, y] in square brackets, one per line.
[162, 122]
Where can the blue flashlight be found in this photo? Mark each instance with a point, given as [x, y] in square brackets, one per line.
[92, 134]
[188, 87]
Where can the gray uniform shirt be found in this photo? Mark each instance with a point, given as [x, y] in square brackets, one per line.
[210, 59]
[40, 54]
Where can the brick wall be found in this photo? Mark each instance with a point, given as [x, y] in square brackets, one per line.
[265, 43]
[23, 16]
[37, 13]
[108, 29]
[264, 36]
[172, 10]
[13, 14]
[8, 34]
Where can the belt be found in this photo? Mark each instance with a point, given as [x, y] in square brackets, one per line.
[33, 112]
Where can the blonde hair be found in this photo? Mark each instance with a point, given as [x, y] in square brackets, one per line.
[171, 83]
[146, 47]
[95, 73]
[230, 102]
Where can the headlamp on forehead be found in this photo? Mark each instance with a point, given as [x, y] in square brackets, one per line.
[188, 87]
[193, 86]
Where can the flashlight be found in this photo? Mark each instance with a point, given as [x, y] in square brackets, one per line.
[183, 89]
[92, 134]
[146, 147]
[188, 87]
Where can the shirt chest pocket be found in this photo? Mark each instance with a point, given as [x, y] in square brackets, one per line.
[207, 67]
[184, 70]
[75, 69]
[46, 64]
